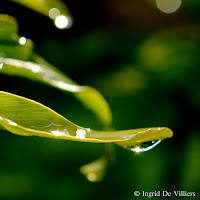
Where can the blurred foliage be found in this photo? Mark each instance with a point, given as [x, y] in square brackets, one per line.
[91, 52]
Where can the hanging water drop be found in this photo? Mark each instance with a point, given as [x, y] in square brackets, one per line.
[146, 146]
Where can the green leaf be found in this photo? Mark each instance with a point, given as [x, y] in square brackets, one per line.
[8, 28]
[26, 117]
[10, 41]
[96, 170]
[89, 96]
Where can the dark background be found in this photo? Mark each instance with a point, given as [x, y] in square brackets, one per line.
[146, 64]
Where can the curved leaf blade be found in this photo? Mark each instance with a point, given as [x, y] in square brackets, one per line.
[26, 117]
[88, 96]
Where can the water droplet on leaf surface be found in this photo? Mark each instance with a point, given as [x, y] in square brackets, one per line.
[146, 146]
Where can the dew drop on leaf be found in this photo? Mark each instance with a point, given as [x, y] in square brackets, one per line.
[146, 146]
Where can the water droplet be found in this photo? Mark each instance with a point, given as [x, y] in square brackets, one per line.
[22, 40]
[146, 146]
[11, 122]
[59, 133]
[35, 68]
[80, 133]
[8, 121]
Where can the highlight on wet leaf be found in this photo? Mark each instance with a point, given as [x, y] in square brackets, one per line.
[26, 117]
[55, 9]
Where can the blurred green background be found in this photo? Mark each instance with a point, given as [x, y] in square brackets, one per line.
[146, 64]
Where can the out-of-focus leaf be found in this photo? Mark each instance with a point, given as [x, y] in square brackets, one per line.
[96, 170]
[26, 117]
[8, 28]
[51, 8]
[10, 41]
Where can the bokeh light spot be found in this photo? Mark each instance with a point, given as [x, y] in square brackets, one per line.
[53, 13]
[168, 6]
[22, 40]
[63, 22]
